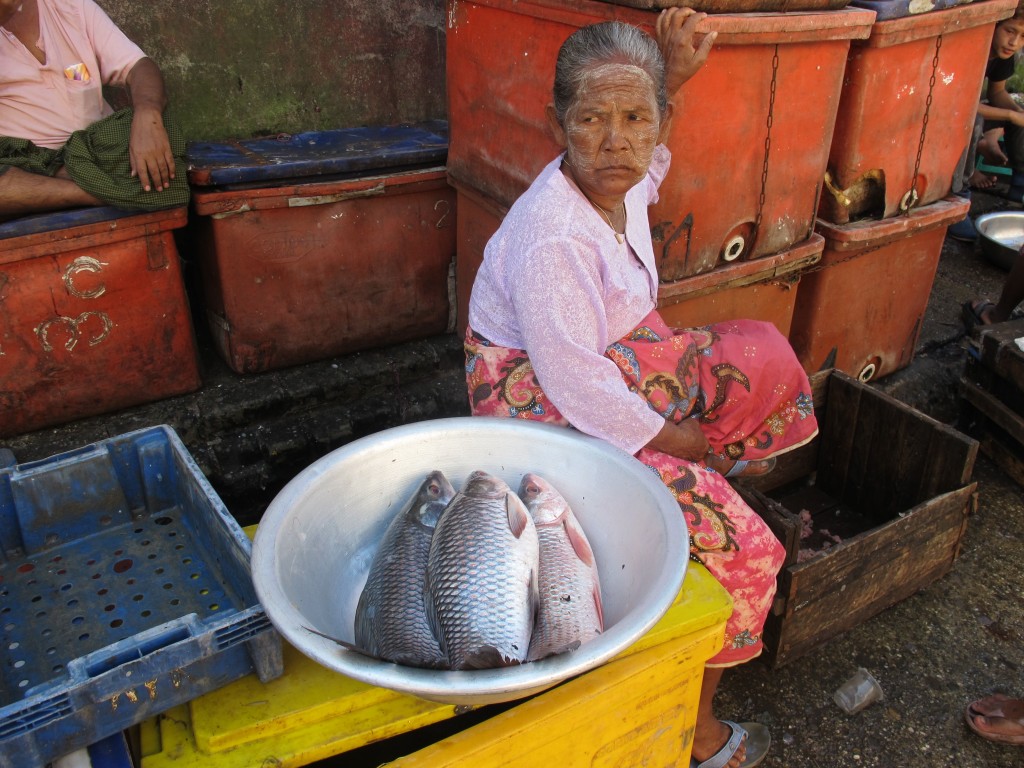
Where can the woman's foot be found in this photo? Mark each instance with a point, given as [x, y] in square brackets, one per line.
[997, 718]
[733, 468]
[720, 736]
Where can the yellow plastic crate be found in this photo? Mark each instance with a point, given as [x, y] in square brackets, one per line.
[642, 703]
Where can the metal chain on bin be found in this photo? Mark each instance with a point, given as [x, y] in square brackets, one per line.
[911, 198]
[767, 143]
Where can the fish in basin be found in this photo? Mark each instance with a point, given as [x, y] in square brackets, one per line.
[391, 620]
[482, 576]
[570, 611]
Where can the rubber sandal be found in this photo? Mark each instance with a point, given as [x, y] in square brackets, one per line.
[722, 757]
[759, 739]
[1000, 738]
[742, 468]
[971, 314]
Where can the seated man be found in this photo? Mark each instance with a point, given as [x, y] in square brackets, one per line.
[61, 144]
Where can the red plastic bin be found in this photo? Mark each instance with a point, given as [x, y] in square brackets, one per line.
[890, 78]
[93, 316]
[765, 289]
[866, 300]
[783, 68]
[298, 273]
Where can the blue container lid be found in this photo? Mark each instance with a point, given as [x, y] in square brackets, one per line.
[897, 9]
[317, 153]
[47, 222]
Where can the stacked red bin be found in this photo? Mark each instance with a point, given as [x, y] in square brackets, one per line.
[93, 315]
[752, 127]
[300, 239]
[905, 116]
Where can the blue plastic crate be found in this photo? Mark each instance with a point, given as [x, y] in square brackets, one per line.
[124, 590]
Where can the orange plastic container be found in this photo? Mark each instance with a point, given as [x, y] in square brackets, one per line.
[781, 69]
[93, 316]
[479, 218]
[764, 289]
[302, 272]
[928, 66]
[865, 301]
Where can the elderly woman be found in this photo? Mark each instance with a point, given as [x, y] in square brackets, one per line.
[563, 328]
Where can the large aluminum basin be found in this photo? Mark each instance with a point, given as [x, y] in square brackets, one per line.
[315, 543]
[1001, 234]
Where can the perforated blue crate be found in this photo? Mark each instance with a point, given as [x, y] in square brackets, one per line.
[124, 590]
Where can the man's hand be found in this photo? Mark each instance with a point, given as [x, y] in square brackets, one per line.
[685, 50]
[149, 149]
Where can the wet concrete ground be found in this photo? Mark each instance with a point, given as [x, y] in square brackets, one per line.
[958, 639]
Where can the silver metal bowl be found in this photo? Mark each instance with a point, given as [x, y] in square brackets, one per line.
[314, 545]
[1001, 235]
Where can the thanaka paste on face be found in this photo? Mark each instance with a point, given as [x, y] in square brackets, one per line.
[631, 76]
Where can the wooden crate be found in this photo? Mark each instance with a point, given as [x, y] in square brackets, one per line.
[992, 393]
[896, 483]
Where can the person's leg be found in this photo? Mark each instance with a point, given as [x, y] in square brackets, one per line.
[710, 733]
[966, 175]
[741, 552]
[988, 146]
[1012, 294]
[22, 193]
[1014, 140]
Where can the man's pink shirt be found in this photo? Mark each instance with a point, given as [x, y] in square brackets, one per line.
[38, 101]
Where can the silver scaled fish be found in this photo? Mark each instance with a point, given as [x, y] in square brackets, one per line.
[482, 576]
[391, 621]
[570, 611]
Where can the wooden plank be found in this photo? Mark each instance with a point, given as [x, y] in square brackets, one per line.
[996, 385]
[845, 565]
[994, 409]
[950, 461]
[794, 636]
[999, 351]
[883, 470]
[896, 457]
[869, 471]
[837, 440]
[782, 522]
[995, 443]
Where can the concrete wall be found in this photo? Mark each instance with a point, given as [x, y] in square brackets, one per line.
[241, 68]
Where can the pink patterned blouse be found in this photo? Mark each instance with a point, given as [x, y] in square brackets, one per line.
[556, 282]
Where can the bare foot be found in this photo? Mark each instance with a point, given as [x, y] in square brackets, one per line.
[981, 180]
[988, 148]
[708, 741]
[997, 718]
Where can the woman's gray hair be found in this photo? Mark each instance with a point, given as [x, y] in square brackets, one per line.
[604, 43]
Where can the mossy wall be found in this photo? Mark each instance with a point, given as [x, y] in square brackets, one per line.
[241, 68]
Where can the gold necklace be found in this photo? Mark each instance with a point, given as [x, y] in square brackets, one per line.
[607, 217]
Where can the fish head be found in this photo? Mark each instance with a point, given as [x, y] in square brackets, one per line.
[433, 496]
[485, 485]
[546, 505]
